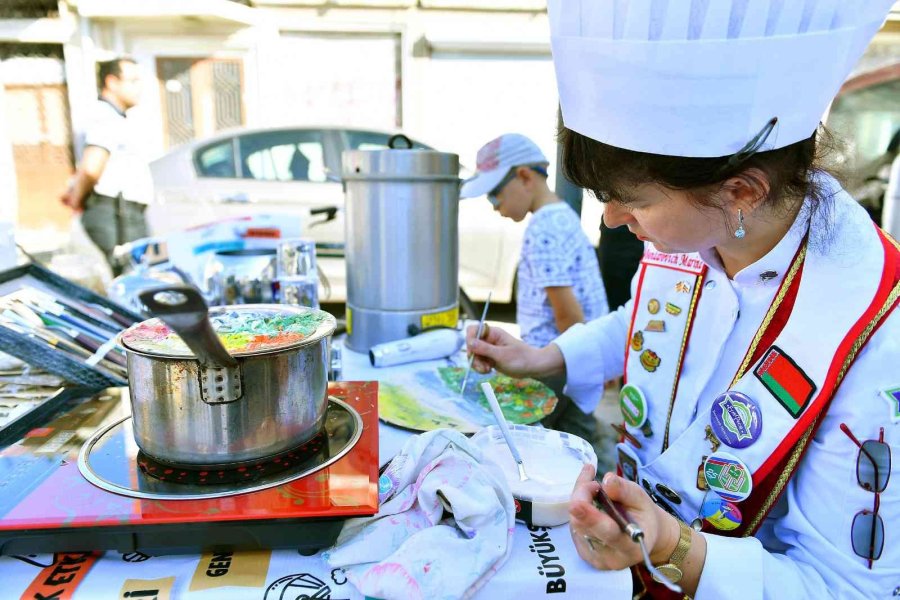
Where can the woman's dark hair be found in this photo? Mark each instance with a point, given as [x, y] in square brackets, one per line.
[609, 171]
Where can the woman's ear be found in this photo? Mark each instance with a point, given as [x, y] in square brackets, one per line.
[747, 190]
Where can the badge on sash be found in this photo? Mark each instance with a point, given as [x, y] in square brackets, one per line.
[628, 462]
[673, 309]
[653, 306]
[710, 436]
[683, 286]
[634, 408]
[633, 405]
[649, 360]
[637, 341]
[721, 514]
[656, 326]
[893, 399]
[701, 476]
[668, 493]
[728, 476]
[736, 419]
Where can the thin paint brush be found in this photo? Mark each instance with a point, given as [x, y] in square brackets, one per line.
[478, 333]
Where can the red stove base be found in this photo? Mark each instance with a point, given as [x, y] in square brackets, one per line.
[46, 505]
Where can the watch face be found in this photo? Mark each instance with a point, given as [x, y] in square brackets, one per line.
[671, 571]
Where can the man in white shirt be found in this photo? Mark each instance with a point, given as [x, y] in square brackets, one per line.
[112, 185]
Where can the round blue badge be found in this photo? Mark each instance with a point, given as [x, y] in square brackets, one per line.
[721, 514]
[735, 419]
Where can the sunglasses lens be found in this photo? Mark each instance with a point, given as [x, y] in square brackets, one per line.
[874, 475]
[867, 534]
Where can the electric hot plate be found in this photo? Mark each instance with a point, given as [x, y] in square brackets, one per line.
[47, 505]
[110, 460]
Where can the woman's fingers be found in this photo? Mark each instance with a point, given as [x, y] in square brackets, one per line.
[628, 494]
[496, 348]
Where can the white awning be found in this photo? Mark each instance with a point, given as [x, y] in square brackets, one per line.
[36, 31]
[224, 10]
[454, 44]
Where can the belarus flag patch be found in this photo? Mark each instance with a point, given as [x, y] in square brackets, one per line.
[785, 380]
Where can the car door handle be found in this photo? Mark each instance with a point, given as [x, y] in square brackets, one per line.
[239, 198]
[330, 213]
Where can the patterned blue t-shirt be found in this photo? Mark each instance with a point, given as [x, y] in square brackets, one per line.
[555, 253]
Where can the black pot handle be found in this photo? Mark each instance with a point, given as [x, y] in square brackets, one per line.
[399, 136]
[183, 309]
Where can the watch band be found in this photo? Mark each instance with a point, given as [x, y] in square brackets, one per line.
[673, 568]
[683, 546]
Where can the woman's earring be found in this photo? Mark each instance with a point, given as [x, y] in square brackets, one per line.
[740, 232]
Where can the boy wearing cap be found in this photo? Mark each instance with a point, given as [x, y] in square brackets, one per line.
[558, 278]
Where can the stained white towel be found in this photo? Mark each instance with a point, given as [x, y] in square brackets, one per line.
[444, 526]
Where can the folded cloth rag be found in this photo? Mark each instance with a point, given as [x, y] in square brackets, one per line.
[444, 526]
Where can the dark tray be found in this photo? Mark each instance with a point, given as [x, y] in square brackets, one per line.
[39, 354]
[308, 536]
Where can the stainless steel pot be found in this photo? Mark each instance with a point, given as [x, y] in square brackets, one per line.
[204, 406]
[402, 242]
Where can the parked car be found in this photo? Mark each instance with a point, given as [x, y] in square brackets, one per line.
[296, 170]
[866, 118]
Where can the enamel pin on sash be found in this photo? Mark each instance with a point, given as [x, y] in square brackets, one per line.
[736, 419]
[634, 408]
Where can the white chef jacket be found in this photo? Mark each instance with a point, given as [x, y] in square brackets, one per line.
[803, 549]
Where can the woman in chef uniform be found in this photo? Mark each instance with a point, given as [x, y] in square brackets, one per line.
[761, 349]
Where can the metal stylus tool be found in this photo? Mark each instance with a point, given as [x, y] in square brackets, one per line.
[618, 515]
[478, 334]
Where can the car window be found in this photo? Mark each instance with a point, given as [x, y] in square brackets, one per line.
[867, 120]
[372, 140]
[217, 160]
[291, 155]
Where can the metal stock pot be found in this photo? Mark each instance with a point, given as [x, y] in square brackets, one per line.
[198, 403]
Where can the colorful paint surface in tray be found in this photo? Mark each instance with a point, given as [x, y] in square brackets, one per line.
[430, 399]
[245, 331]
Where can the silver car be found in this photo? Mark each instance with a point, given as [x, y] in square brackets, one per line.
[295, 170]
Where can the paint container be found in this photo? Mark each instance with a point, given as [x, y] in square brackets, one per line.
[553, 460]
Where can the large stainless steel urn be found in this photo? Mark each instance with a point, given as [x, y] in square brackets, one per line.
[402, 242]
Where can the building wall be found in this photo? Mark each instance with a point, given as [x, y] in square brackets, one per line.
[37, 125]
[451, 78]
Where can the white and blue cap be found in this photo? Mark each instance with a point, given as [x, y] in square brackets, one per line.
[496, 158]
[702, 78]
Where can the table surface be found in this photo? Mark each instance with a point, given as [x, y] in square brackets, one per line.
[542, 561]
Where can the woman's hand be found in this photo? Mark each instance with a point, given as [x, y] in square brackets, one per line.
[597, 537]
[510, 355]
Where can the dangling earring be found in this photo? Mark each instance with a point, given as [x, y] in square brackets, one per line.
[740, 232]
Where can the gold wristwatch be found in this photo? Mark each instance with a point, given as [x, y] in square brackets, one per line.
[673, 568]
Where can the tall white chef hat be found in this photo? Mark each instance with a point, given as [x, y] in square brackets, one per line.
[702, 78]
